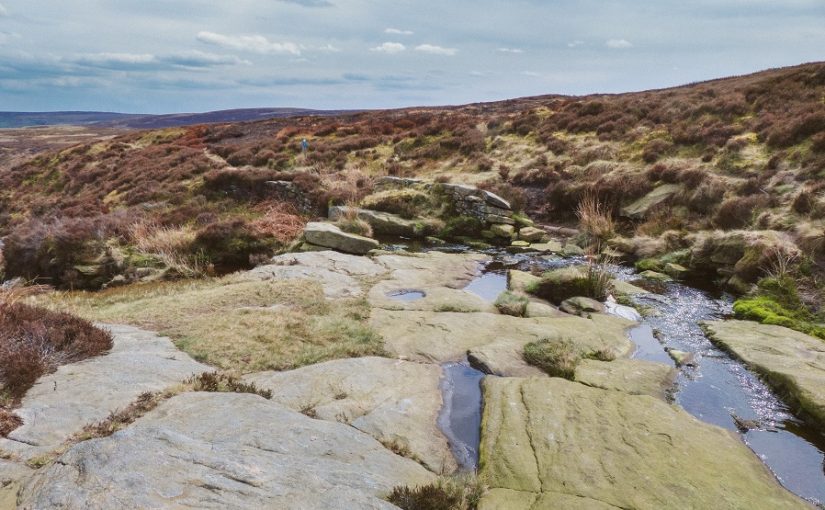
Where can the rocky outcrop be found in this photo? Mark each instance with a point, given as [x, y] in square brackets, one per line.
[396, 402]
[552, 442]
[224, 450]
[791, 362]
[329, 236]
[338, 273]
[61, 404]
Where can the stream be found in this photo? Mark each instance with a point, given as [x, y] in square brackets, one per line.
[715, 390]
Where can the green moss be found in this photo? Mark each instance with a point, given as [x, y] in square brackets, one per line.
[778, 310]
[462, 226]
[560, 284]
[650, 265]
[556, 358]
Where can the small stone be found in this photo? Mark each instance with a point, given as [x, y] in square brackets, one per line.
[495, 200]
[675, 270]
[520, 244]
[658, 277]
[531, 234]
[572, 250]
[682, 358]
[548, 247]
[581, 306]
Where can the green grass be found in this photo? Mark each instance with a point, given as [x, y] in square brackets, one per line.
[508, 303]
[777, 303]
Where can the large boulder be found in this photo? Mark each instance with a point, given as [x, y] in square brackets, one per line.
[790, 361]
[60, 404]
[330, 236]
[397, 402]
[567, 445]
[224, 450]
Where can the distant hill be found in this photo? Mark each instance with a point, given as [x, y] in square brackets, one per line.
[140, 121]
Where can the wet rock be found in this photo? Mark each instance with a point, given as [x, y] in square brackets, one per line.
[330, 236]
[531, 234]
[628, 289]
[656, 277]
[581, 306]
[396, 402]
[676, 271]
[548, 247]
[640, 208]
[224, 450]
[518, 281]
[441, 277]
[498, 219]
[61, 404]
[791, 362]
[551, 437]
[635, 377]
[682, 358]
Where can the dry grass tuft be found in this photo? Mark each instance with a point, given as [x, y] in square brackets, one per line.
[453, 493]
[231, 323]
[595, 219]
[280, 221]
[171, 246]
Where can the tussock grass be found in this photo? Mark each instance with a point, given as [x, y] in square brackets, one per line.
[236, 325]
[447, 493]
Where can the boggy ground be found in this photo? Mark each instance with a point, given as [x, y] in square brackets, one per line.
[342, 433]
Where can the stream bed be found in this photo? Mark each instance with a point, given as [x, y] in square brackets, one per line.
[719, 389]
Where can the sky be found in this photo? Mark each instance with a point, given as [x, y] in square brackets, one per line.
[166, 56]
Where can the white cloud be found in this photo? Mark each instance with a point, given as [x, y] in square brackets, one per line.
[389, 47]
[619, 44]
[147, 61]
[3, 10]
[531, 74]
[436, 50]
[251, 43]
[510, 50]
[397, 31]
[575, 44]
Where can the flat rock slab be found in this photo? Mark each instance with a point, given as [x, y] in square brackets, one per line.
[448, 336]
[438, 277]
[61, 404]
[632, 376]
[559, 439]
[227, 451]
[790, 361]
[396, 402]
[338, 273]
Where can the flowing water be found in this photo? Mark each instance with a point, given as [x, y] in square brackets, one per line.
[717, 389]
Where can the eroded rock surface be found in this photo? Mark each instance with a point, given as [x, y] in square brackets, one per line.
[224, 450]
[61, 404]
[339, 274]
[557, 444]
[790, 361]
[636, 377]
[396, 402]
[330, 236]
[440, 277]
[448, 336]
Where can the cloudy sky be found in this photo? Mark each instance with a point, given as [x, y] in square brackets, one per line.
[157, 56]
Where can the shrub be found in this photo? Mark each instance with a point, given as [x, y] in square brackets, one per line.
[555, 357]
[739, 212]
[215, 382]
[35, 341]
[230, 243]
[445, 494]
[280, 221]
[508, 303]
